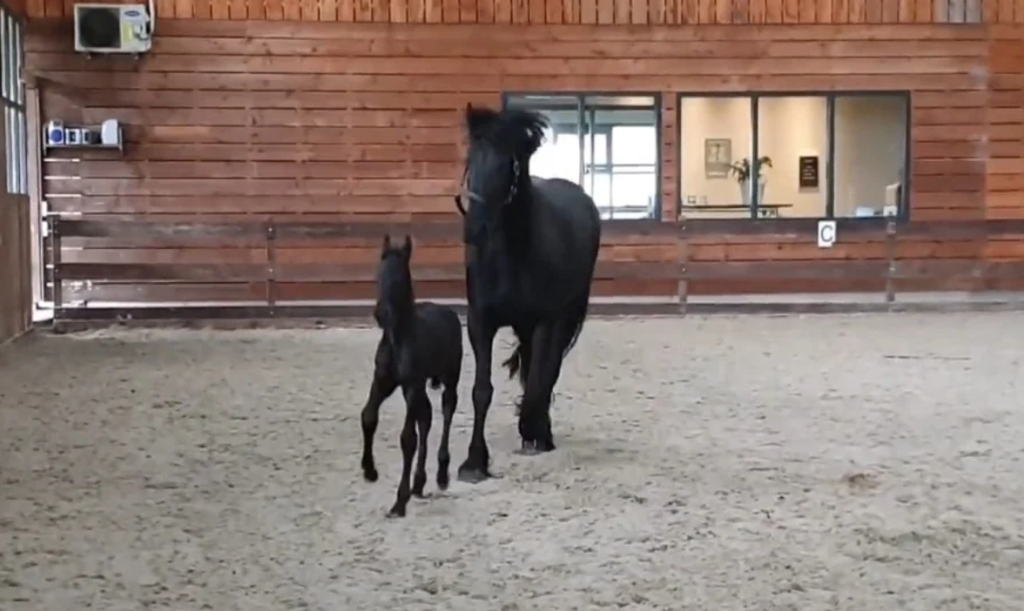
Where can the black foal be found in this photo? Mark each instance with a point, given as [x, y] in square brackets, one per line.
[421, 341]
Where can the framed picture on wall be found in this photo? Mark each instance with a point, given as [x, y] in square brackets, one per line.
[717, 157]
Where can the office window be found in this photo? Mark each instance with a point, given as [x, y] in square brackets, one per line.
[607, 144]
[717, 140]
[808, 155]
[13, 96]
[792, 135]
[871, 151]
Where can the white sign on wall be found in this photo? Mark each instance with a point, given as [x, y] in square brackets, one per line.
[826, 234]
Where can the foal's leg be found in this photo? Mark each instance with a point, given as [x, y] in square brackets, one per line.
[408, 439]
[475, 468]
[449, 401]
[424, 416]
[381, 388]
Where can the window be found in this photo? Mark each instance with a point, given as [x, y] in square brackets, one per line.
[13, 90]
[870, 153]
[840, 155]
[958, 11]
[607, 144]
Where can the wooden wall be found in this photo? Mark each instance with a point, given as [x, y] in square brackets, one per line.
[1005, 163]
[260, 121]
[588, 12]
[15, 259]
[15, 267]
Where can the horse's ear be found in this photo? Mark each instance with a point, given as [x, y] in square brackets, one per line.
[407, 247]
[478, 118]
[386, 245]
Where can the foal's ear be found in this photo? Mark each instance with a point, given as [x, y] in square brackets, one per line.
[407, 247]
[386, 246]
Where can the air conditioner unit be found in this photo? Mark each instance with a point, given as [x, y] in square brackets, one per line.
[114, 28]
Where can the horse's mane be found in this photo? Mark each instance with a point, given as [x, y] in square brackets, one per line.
[511, 130]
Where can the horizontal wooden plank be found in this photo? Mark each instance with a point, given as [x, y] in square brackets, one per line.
[734, 270]
[212, 187]
[164, 293]
[777, 286]
[337, 116]
[261, 169]
[392, 46]
[651, 232]
[291, 272]
[947, 167]
[351, 252]
[312, 231]
[150, 293]
[515, 33]
[408, 207]
[191, 134]
[63, 160]
[311, 90]
[528, 66]
[808, 250]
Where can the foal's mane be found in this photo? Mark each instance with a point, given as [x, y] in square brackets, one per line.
[511, 130]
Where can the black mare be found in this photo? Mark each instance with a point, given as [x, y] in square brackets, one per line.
[420, 342]
[531, 250]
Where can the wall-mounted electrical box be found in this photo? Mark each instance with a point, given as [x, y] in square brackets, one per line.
[114, 28]
[107, 135]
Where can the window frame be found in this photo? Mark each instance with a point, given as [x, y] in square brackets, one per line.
[13, 102]
[903, 209]
[582, 109]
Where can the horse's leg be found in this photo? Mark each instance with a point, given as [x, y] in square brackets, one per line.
[476, 466]
[565, 329]
[424, 417]
[540, 343]
[408, 439]
[535, 422]
[449, 401]
[381, 388]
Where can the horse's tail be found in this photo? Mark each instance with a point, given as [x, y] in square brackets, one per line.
[514, 363]
[581, 317]
[435, 382]
[583, 305]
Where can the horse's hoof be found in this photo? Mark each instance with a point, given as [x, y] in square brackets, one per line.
[396, 512]
[473, 475]
[533, 448]
[528, 448]
[370, 474]
[419, 494]
[418, 485]
[442, 480]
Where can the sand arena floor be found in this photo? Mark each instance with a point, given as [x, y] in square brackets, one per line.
[806, 463]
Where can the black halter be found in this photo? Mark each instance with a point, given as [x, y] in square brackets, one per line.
[476, 197]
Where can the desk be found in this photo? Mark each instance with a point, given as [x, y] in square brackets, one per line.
[764, 211]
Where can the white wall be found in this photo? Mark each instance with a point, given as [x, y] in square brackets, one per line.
[869, 150]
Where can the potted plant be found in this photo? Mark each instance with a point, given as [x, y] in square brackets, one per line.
[741, 169]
